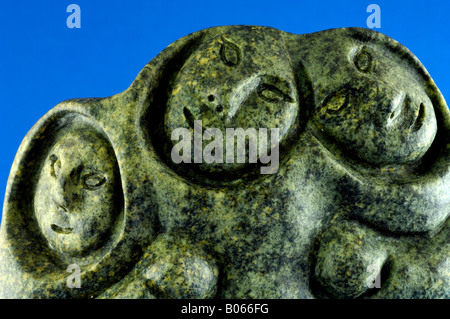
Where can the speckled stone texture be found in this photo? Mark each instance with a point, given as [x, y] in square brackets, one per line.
[357, 208]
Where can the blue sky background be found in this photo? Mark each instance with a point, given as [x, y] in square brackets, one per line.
[43, 62]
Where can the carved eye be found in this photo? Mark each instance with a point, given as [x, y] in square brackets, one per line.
[55, 165]
[93, 181]
[363, 60]
[230, 53]
[271, 94]
[274, 89]
[335, 102]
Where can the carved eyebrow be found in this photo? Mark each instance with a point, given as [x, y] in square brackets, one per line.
[89, 169]
[279, 84]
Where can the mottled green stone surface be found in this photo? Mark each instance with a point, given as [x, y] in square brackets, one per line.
[357, 208]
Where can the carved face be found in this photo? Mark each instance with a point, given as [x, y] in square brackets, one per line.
[376, 106]
[240, 79]
[74, 200]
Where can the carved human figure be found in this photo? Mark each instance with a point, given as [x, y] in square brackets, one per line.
[376, 102]
[379, 109]
[240, 79]
[75, 202]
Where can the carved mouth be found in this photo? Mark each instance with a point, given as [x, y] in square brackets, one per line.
[420, 119]
[61, 230]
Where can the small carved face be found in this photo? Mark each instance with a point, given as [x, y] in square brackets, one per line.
[240, 79]
[376, 106]
[74, 200]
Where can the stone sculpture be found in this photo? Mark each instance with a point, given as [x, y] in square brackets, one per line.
[350, 201]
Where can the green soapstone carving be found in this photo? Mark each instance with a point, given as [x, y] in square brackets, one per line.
[343, 191]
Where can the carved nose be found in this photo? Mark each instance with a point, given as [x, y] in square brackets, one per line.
[396, 106]
[60, 194]
[61, 201]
